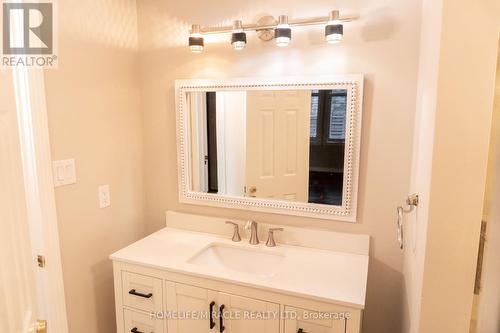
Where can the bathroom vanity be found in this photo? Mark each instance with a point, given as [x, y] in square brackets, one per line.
[277, 145]
[192, 277]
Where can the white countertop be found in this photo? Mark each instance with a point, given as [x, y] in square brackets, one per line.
[334, 277]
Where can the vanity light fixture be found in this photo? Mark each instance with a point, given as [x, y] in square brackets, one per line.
[238, 37]
[283, 33]
[196, 39]
[268, 28]
[334, 30]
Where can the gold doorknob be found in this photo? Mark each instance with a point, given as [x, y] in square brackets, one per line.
[41, 326]
[252, 190]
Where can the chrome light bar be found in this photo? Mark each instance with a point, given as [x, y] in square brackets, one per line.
[320, 20]
[269, 28]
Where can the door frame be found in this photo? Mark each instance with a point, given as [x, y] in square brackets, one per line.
[34, 141]
[488, 306]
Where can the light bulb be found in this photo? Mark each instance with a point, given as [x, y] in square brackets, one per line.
[238, 46]
[238, 37]
[334, 30]
[283, 33]
[196, 41]
[334, 33]
[196, 48]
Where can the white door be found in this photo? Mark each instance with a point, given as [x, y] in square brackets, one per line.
[278, 144]
[199, 145]
[32, 295]
[231, 133]
[19, 305]
[246, 315]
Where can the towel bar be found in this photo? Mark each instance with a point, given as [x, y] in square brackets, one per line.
[412, 201]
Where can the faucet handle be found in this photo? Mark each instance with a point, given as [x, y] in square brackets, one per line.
[270, 239]
[236, 232]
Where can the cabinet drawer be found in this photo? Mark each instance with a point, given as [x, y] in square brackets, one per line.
[142, 292]
[310, 321]
[135, 322]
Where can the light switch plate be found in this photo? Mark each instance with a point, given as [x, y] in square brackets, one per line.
[104, 196]
[64, 172]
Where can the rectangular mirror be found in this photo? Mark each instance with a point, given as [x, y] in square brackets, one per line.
[286, 147]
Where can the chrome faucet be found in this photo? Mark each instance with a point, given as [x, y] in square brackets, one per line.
[254, 238]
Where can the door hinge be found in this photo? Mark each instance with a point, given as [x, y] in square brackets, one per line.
[40, 261]
[41, 326]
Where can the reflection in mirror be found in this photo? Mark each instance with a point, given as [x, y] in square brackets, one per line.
[282, 144]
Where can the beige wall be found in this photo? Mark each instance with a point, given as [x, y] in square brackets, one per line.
[383, 45]
[94, 117]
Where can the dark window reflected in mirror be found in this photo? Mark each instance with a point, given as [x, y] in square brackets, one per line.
[211, 157]
[327, 146]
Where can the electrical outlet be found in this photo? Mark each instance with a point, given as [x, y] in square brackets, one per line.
[104, 196]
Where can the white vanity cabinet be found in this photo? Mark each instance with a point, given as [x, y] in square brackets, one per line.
[172, 280]
[265, 319]
[151, 300]
[182, 298]
[138, 321]
[309, 321]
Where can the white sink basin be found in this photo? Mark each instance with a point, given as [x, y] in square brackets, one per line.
[240, 259]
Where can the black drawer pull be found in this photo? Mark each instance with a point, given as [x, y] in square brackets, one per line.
[301, 330]
[212, 322]
[221, 319]
[135, 293]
